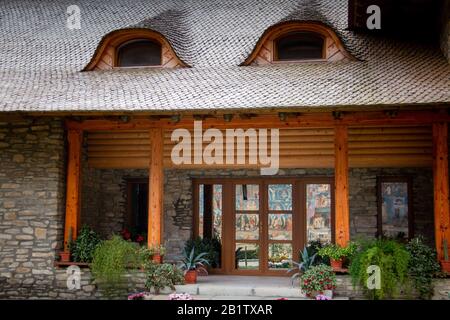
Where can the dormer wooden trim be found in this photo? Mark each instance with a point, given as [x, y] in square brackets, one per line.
[105, 57]
[264, 51]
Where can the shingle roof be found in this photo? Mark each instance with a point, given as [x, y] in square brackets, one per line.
[41, 60]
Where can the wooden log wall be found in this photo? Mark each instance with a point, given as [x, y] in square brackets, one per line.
[401, 146]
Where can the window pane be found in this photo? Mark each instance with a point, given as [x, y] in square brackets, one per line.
[280, 197]
[247, 256]
[280, 255]
[280, 226]
[300, 46]
[394, 208]
[247, 227]
[318, 212]
[216, 210]
[200, 209]
[139, 53]
[247, 197]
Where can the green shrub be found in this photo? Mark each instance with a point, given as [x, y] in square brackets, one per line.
[422, 266]
[111, 260]
[82, 249]
[393, 260]
[336, 252]
[317, 279]
[160, 276]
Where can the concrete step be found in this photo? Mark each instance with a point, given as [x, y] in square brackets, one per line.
[246, 291]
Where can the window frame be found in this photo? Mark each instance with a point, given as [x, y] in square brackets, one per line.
[125, 43]
[395, 179]
[276, 59]
[128, 221]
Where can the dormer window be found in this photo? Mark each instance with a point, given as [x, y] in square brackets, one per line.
[134, 48]
[139, 53]
[298, 42]
[296, 46]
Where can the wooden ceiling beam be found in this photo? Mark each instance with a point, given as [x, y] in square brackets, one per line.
[418, 118]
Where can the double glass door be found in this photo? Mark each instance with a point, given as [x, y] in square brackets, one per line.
[262, 224]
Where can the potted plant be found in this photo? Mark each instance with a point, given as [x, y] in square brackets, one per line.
[318, 280]
[193, 263]
[299, 268]
[160, 276]
[82, 249]
[445, 263]
[336, 254]
[158, 252]
[64, 256]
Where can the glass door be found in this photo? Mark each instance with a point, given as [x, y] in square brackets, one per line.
[263, 225]
[280, 220]
[247, 222]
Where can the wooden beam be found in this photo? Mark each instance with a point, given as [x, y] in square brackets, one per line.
[156, 187]
[342, 214]
[73, 196]
[310, 120]
[441, 186]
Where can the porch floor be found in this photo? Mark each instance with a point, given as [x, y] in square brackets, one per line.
[221, 287]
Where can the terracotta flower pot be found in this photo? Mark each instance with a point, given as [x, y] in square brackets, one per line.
[190, 277]
[445, 265]
[65, 256]
[157, 258]
[336, 264]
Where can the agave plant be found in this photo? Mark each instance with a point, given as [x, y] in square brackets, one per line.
[307, 261]
[191, 261]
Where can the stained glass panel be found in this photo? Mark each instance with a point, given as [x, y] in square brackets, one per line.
[280, 197]
[217, 210]
[318, 212]
[280, 226]
[247, 227]
[247, 197]
[394, 208]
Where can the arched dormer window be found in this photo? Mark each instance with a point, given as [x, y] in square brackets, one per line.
[139, 53]
[295, 41]
[134, 48]
[299, 46]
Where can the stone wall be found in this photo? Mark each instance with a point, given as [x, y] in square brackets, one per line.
[345, 288]
[32, 191]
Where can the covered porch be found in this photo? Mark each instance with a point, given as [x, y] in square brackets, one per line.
[334, 142]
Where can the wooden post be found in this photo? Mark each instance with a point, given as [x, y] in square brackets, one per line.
[441, 186]
[73, 197]
[342, 213]
[156, 186]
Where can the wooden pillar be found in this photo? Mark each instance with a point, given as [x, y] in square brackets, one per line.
[441, 186]
[156, 186]
[342, 211]
[208, 211]
[73, 183]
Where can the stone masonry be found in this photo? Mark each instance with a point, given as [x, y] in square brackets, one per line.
[32, 186]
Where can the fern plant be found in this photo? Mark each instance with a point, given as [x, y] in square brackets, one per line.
[393, 260]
